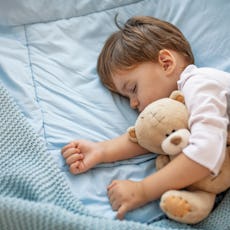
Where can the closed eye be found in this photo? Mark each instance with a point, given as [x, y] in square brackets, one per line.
[134, 89]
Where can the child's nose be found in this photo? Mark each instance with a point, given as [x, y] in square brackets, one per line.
[134, 103]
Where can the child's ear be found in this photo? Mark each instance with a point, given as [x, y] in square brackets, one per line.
[167, 60]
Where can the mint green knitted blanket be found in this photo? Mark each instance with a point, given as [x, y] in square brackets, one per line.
[35, 195]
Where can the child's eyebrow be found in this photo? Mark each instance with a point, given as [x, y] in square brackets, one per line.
[124, 87]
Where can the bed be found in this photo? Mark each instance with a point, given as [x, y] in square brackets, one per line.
[51, 94]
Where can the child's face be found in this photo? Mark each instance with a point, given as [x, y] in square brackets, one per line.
[144, 84]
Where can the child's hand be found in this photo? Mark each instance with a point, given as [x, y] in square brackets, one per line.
[125, 195]
[81, 155]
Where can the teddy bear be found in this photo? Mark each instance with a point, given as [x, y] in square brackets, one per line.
[162, 128]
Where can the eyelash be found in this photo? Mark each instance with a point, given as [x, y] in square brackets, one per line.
[134, 89]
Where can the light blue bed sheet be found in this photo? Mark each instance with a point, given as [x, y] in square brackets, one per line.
[48, 57]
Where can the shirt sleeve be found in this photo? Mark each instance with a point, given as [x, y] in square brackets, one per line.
[206, 101]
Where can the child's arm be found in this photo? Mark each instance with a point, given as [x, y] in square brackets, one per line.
[120, 148]
[126, 195]
[81, 155]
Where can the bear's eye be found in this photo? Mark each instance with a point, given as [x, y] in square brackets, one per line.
[168, 134]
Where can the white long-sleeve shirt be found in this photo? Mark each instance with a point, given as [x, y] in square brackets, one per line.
[207, 97]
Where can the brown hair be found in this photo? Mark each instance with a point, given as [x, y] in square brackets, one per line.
[140, 40]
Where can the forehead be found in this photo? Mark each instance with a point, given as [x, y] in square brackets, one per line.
[124, 73]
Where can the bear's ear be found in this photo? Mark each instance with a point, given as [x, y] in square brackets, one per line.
[178, 96]
[132, 134]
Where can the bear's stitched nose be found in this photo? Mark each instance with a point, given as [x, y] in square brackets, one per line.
[176, 140]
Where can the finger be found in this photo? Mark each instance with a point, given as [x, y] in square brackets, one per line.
[70, 145]
[111, 197]
[74, 168]
[73, 158]
[114, 201]
[121, 212]
[115, 205]
[70, 152]
[112, 184]
[75, 143]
